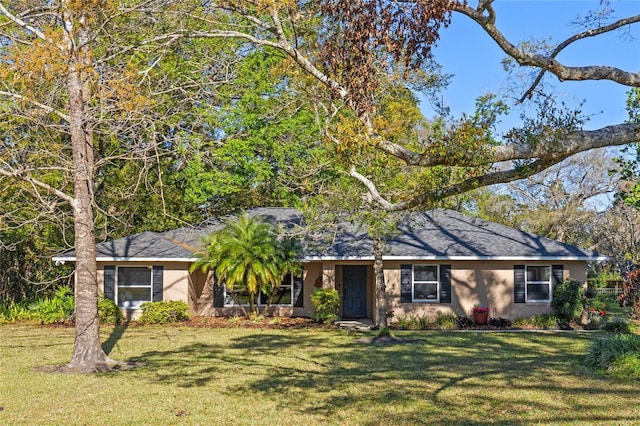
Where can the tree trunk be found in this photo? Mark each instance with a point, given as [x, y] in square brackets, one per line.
[88, 354]
[381, 291]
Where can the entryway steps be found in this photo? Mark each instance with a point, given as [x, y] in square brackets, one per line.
[356, 324]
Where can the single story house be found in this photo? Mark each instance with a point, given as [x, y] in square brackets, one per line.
[438, 261]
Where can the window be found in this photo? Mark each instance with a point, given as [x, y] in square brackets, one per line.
[425, 283]
[283, 295]
[538, 283]
[133, 286]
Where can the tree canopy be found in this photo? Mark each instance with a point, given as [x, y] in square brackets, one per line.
[123, 116]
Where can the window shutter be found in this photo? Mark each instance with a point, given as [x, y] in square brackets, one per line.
[445, 283]
[405, 283]
[158, 283]
[558, 274]
[109, 281]
[518, 283]
[297, 292]
[218, 293]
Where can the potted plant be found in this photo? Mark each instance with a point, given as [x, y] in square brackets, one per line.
[480, 314]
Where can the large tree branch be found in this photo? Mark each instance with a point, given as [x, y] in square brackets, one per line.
[430, 196]
[40, 105]
[572, 143]
[19, 22]
[20, 175]
[589, 33]
[543, 156]
[548, 62]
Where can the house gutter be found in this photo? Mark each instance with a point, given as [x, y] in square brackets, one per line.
[460, 258]
[59, 259]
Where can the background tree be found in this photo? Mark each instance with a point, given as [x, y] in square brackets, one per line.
[366, 38]
[562, 202]
[85, 87]
[267, 147]
[360, 41]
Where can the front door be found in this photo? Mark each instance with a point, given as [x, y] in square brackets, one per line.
[354, 291]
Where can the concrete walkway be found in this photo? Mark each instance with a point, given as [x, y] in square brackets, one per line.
[364, 324]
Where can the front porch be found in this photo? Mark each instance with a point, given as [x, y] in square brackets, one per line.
[355, 283]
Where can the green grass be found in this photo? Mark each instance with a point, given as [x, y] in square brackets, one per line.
[242, 376]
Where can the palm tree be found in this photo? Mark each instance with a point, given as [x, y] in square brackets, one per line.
[246, 254]
[287, 262]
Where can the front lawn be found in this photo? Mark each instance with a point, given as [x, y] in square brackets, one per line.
[236, 376]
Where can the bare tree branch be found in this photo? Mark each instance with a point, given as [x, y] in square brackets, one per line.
[548, 62]
[22, 24]
[42, 106]
[19, 174]
[589, 33]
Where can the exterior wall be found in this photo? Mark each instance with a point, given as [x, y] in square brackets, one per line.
[489, 283]
[312, 271]
[175, 280]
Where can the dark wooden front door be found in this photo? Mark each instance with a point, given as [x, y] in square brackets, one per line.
[354, 291]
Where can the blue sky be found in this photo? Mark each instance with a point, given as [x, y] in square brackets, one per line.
[467, 52]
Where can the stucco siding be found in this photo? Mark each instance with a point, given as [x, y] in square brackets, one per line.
[312, 272]
[175, 281]
[488, 283]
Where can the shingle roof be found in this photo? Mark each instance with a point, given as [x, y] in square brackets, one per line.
[437, 234]
[446, 234]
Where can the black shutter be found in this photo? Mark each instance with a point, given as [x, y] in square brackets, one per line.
[558, 274]
[518, 283]
[158, 279]
[297, 292]
[405, 283]
[109, 281]
[445, 283]
[218, 293]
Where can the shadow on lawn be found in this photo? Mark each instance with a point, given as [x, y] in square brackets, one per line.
[199, 364]
[452, 378]
[116, 334]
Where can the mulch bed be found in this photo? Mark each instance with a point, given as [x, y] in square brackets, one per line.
[278, 323]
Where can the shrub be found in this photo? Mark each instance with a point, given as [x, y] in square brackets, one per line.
[423, 322]
[630, 296]
[164, 312]
[465, 322]
[446, 321]
[499, 322]
[109, 312]
[11, 312]
[58, 309]
[596, 319]
[598, 304]
[626, 367]
[617, 325]
[567, 301]
[326, 302]
[614, 350]
[402, 322]
[541, 321]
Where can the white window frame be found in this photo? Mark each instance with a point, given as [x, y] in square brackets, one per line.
[291, 278]
[549, 283]
[117, 286]
[414, 282]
